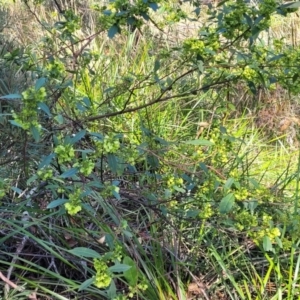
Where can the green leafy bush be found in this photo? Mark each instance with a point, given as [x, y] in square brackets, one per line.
[113, 162]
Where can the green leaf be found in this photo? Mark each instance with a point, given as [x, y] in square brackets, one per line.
[252, 87]
[86, 101]
[112, 290]
[154, 6]
[44, 107]
[113, 30]
[99, 136]
[279, 242]
[69, 173]
[80, 107]
[35, 133]
[112, 162]
[192, 213]
[58, 180]
[226, 203]
[197, 11]
[248, 20]
[131, 275]
[156, 65]
[199, 142]
[153, 161]
[145, 16]
[267, 244]
[119, 268]
[31, 179]
[127, 233]
[116, 195]
[86, 284]
[295, 77]
[59, 119]
[109, 240]
[11, 96]
[204, 167]
[291, 5]
[200, 66]
[78, 136]
[17, 190]
[84, 252]
[179, 189]
[40, 83]
[254, 182]
[56, 203]
[228, 183]
[15, 123]
[46, 161]
[252, 205]
[162, 141]
[85, 151]
[276, 57]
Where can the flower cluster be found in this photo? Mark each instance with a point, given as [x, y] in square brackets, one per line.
[109, 144]
[278, 45]
[234, 22]
[109, 189]
[117, 253]
[203, 47]
[131, 156]
[245, 220]
[55, 69]
[119, 11]
[173, 183]
[29, 115]
[222, 147]
[206, 211]
[241, 194]
[267, 230]
[73, 206]
[263, 194]
[199, 155]
[103, 277]
[290, 77]
[70, 25]
[120, 297]
[249, 73]
[207, 187]
[85, 167]
[271, 233]
[133, 290]
[2, 188]
[45, 174]
[266, 7]
[65, 153]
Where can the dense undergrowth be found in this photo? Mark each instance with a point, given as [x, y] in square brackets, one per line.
[143, 159]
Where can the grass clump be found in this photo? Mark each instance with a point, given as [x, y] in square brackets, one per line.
[136, 170]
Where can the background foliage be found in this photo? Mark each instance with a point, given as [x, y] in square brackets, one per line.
[149, 150]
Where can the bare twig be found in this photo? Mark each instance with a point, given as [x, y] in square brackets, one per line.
[157, 100]
[10, 283]
[11, 268]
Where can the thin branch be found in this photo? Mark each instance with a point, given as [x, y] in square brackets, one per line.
[10, 283]
[157, 100]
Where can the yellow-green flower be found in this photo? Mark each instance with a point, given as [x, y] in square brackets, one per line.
[73, 206]
[85, 167]
[65, 153]
[102, 277]
[241, 194]
[45, 174]
[206, 211]
[72, 209]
